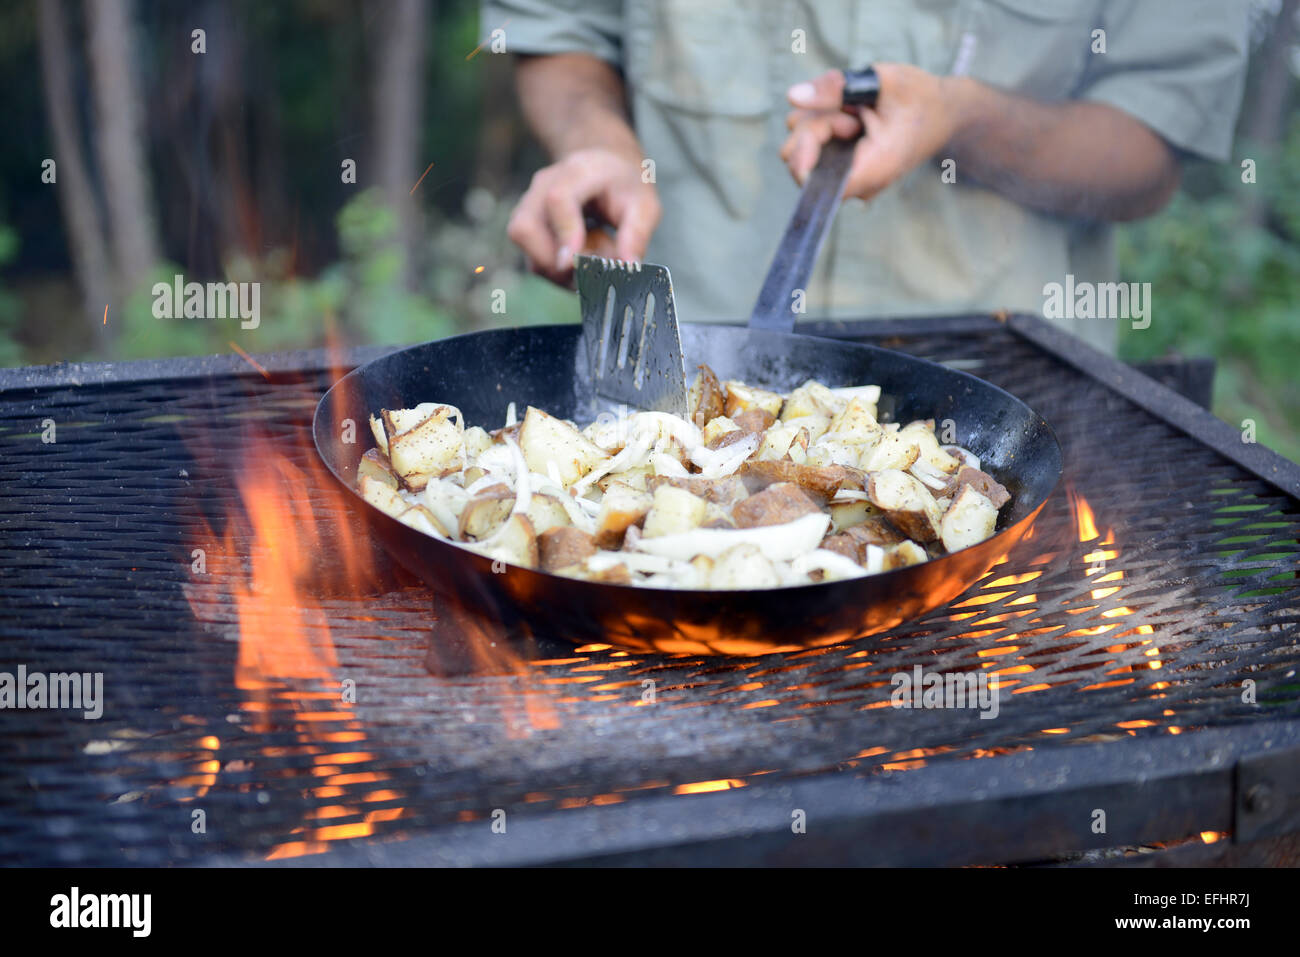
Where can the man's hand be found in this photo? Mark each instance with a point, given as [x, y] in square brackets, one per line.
[1077, 158]
[911, 123]
[548, 224]
[574, 102]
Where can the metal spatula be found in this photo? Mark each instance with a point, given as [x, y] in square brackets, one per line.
[629, 323]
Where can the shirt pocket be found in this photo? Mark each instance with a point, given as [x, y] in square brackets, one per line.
[1039, 48]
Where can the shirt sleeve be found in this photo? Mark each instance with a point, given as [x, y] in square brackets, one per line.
[1179, 68]
[557, 26]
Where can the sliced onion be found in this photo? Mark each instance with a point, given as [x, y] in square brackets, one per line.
[776, 542]
[825, 560]
[665, 464]
[716, 463]
[966, 455]
[632, 455]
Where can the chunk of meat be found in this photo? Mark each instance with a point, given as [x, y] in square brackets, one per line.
[775, 505]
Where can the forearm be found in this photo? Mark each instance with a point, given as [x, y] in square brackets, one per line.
[574, 101]
[1076, 158]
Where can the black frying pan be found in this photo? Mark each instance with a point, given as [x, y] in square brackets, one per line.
[545, 366]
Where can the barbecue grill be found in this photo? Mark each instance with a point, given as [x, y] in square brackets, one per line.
[1144, 638]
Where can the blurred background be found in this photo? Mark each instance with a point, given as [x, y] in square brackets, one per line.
[231, 164]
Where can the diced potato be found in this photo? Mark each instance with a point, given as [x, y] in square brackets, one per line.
[741, 397]
[904, 554]
[674, 510]
[923, 437]
[844, 545]
[717, 517]
[730, 438]
[377, 430]
[811, 398]
[397, 421]
[798, 450]
[895, 450]
[381, 496]
[907, 503]
[821, 481]
[638, 478]
[847, 514]
[829, 452]
[473, 474]
[546, 512]
[867, 394]
[776, 443]
[706, 399]
[477, 441]
[755, 420]
[544, 438]
[876, 530]
[722, 491]
[743, 567]
[375, 465]
[775, 505]
[516, 544]
[608, 575]
[718, 427]
[622, 506]
[815, 425]
[419, 517]
[433, 447]
[970, 519]
[483, 515]
[564, 546]
[982, 482]
[856, 423]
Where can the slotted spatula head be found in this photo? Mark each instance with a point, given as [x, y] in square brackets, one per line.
[629, 323]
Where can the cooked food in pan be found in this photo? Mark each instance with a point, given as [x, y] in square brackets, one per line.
[755, 490]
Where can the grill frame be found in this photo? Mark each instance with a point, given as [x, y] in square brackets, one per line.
[1157, 789]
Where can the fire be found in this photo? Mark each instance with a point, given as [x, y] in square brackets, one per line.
[288, 557]
[279, 621]
[1107, 551]
[1000, 655]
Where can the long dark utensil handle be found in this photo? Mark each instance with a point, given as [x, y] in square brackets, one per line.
[793, 263]
[795, 257]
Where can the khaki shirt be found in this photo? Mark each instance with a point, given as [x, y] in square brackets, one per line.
[707, 82]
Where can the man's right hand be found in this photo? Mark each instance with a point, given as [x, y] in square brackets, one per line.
[548, 224]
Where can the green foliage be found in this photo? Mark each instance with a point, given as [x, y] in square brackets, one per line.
[11, 353]
[1225, 282]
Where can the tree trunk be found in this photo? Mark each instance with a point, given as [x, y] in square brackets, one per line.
[77, 200]
[122, 158]
[399, 55]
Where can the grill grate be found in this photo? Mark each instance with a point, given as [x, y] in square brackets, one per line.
[1151, 627]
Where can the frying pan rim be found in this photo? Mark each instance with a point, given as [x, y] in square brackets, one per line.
[697, 593]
